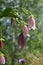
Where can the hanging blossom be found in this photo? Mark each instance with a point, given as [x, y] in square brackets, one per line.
[21, 41]
[12, 22]
[21, 61]
[2, 59]
[31, 23]
[1, 43]
[25, 30]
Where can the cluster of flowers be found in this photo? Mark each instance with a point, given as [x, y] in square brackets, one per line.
[2, 58]
[25, 31]
[21, 39]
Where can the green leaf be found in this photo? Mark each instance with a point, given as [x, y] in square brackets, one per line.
[9, 12]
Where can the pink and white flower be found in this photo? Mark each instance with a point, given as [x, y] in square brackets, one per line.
[25, 31]
[31, 23]
[2, 60]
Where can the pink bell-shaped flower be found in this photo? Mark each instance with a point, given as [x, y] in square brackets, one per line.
[31, 23]
[25, 29]
[21, 41]
[2, 59]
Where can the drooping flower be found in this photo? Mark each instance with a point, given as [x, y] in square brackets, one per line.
[25, 29]
[21, 41]
[2, 59]
[12, 22]
[21, 61]
[31, 23]
[1, 44]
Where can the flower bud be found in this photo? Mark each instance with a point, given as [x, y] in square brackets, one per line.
[31, 23]
[1, 44]
[12, 22]
[21, 41]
